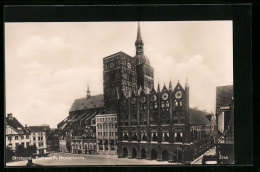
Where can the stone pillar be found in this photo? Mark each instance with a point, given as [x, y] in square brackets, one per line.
[138, 156]
[129, 148]
[148, 154]
[159, 154]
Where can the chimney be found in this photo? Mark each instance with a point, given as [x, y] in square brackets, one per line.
[25, 125]
[10, 116]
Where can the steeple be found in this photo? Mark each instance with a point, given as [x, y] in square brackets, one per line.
[139, 42]
[88, 93]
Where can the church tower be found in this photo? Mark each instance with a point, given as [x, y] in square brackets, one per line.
[119, 79]
[143, 69]
[88, 93]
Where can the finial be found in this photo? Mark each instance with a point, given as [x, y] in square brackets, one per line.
[158, 89]
[186, 84]
[170, 85]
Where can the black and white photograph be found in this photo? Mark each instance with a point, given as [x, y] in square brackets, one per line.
[119, 93]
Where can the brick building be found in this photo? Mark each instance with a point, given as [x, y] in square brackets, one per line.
[152, 124]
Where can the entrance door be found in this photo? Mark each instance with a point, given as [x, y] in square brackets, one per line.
[165, 155]
[125, 152]
[143, 154]
[153, 154]
[134, 153]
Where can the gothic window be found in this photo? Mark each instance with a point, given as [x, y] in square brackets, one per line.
[134, 135]
[126, 119]
[133, 111]
[178, 135]
[130, 77]
[143, 135]
[167, 104]
[143, 114]
[154, 136]
[125, 135]
[175, 103]
[153, 113]
[165, 136]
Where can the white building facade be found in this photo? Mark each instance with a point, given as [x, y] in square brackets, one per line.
[106, 134]
[38, 138]
[16, 134]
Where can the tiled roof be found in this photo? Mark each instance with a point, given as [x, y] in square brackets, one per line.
[39, 128]
[224, 95]
[15, 124]
[198, 117]
[79, 119]
[88, 103]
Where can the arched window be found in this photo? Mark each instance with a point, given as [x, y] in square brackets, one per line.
[143, 135]
[134, 135]
[178, 135]
[165, 136]
[154, 136]
[125, 135]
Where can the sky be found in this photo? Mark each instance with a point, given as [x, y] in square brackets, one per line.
[48, 65]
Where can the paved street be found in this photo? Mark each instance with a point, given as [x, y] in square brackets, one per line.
[67, 159]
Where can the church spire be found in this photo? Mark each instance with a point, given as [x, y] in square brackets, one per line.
[88, 92]
[139, 38]
[139, 42]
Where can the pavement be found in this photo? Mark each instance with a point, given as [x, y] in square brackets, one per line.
[69, 159]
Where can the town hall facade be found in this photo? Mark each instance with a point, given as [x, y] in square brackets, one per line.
[152, 124]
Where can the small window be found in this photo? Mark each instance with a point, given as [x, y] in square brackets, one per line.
[16, 137]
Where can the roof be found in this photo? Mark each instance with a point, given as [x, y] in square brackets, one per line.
[39, 128]
[198, 117]
[79, 119]
[224, 95]
[15, 124]
[88, 103]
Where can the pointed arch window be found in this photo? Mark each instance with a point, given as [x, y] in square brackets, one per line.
[143, 135]
[154, 136]
[165, 136]
[125, 135]
[178, 135]
[134, 135]
[167, 104]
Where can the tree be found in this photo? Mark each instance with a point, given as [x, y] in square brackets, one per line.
[20, 151]
[9, 154]
[30, 150]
